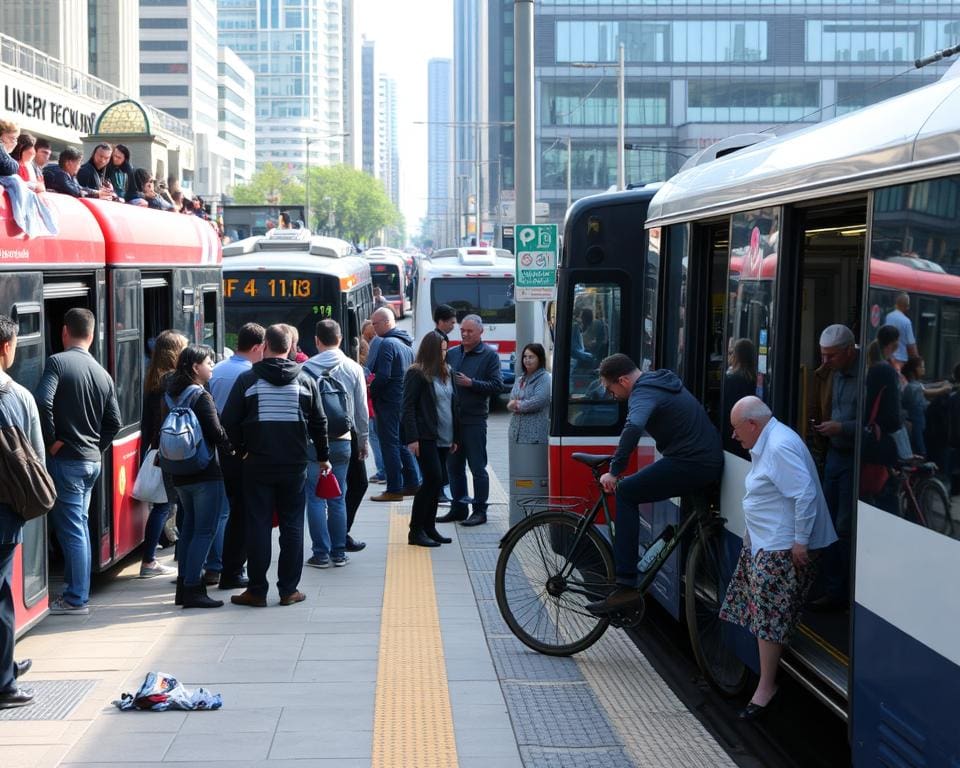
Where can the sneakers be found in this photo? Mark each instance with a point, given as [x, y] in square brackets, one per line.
[319, 562]
[60, 607]
[339, 562]
[149, 570]
[353, 545]
[377, 479]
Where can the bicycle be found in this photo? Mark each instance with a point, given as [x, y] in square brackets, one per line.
[555, 561]
[921, 496]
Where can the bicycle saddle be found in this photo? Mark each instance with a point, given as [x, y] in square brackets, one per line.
[591, 459]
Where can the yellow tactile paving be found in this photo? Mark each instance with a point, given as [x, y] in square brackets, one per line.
[413, 722]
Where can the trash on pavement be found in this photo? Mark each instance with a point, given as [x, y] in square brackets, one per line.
[161, 691]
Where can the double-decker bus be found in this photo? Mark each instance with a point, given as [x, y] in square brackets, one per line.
[769, 244]
[140, 272]
[291, 276]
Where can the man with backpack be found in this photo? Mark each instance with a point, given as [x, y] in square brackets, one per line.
[80, 417]
[343, 390]
[17, 410]
[272, 415]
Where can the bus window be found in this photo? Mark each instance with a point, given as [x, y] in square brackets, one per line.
[489, 297]
[210, 319]
[157, 316]
[28, 365]
[386, 277]
[595, 330]
[128, 345]
[673, 271]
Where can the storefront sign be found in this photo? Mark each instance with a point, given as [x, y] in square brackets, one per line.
[21, 102]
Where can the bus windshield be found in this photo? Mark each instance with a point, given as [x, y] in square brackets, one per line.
[386, 277]
[267, 298]
[489, 297]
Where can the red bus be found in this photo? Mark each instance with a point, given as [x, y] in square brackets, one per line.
[140, 272]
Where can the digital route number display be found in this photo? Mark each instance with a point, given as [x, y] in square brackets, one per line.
[270, 288]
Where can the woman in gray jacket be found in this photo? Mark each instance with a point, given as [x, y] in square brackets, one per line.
[530, 398]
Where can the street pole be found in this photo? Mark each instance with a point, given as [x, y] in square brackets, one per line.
[477, 189]
[621, 121]
[569, 175]
[306, 182]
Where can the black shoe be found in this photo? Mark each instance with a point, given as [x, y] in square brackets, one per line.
[353, 545]
[178, 595]
[234, 582]
[618, 600]
[20, 668]
[16, 698]
[435, 535]
[211, 578]
[196, 597]
[452, 517]
[477, 518]
[753, 711]
[420, 539]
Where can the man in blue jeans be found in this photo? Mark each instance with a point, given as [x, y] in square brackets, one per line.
[691, 451]
[80, 417]
[327, 518]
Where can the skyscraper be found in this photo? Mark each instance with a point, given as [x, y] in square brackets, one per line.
[440, 203]
[370, 105]
[470, 50]
[389, 172]
[296, 53]
[352, 90]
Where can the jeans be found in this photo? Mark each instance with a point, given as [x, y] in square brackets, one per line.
[663, 479]
[285, 493]
[838, 490]
[235, 531]
[472, 451]
[399, 464]
[327, 518]
[375, 447]
[153, 529]
[204, 509]
[432, 459]
[11, 522]
[214, 562]
[74, 480]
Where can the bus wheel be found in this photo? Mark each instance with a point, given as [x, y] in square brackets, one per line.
[710, 637]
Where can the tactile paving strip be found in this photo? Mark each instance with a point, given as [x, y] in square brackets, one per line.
[413, 721]
[514, 661]
[493, 623]
[555, 715]
[603, 757]
[481, 559]
[479, 540]
[53, 699]
[483, 587]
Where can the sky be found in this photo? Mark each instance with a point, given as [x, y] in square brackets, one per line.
[407, 36]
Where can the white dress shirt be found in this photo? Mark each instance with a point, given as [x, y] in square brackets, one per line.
[784, 504]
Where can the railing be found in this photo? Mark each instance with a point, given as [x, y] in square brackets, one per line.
[24, 58]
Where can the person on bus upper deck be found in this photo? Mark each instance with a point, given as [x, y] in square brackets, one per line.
[691, 450]
[839, 352]
[80, 417]
[788, 524]
[444, 320]
[120, 173]
[394, 355]
[231, 541]
[898, 318]
[17, 408]
[40, 160]
[272, 416]
[62, 177]
[145, 192]
[24, 153]
[93, 173]
[477, 376]
[9, 132]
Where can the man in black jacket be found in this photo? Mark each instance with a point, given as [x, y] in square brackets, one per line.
[80, 417]
[271, 416]
[93, 173]
[62, 177]
[477, 377]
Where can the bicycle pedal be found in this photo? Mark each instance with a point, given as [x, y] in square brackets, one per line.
[629, 618]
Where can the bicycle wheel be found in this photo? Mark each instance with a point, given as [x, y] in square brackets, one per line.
[934, 502]
[543, 583]
[707, 564]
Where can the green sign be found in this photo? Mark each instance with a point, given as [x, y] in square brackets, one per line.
[538, 248]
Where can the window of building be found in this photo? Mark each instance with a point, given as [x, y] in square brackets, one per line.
[718, 101]
[163, 45]
[587, 104]
[163, 23]
[179, 67]
[164, 90]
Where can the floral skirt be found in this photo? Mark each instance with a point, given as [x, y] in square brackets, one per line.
[766, 593]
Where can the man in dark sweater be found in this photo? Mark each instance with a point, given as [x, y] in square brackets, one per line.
[80, 417]
[62, 177]
[271, 416]
[691, 459]
[477, 376]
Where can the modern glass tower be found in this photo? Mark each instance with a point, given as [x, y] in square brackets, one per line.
[441, 206]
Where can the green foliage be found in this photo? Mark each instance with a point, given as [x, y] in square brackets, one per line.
[271, 184]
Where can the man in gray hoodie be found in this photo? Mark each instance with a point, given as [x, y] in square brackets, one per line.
[691, 451]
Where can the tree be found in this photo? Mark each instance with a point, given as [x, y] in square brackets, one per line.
[270, 184]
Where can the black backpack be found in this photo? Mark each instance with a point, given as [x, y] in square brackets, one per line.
[25, 483]
[335, 401]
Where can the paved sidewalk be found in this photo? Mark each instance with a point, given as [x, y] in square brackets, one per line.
[300, 683]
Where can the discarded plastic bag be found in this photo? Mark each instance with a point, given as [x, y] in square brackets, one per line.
[161, 691]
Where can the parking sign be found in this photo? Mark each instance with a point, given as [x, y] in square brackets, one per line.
[537, 254]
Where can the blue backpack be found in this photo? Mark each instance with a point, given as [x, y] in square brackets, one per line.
[182, 449]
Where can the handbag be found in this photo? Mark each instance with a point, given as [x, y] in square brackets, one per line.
[149, 484]
[327, 486]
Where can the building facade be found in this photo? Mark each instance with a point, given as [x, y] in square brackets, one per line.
[237, 114]
[352, 91]
[295, 50]
[441, 205]
[389, 159]
[697, 72]
[370, 148]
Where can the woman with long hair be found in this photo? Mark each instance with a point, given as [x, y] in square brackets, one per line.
[24, 153]
[120, 173]
[430, 427]
[163, 361]
[202, 494]
[530, 398]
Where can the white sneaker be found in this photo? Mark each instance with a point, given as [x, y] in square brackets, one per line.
[61, 607]
[148, 571]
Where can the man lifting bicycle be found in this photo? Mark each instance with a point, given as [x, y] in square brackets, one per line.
[692, 459]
